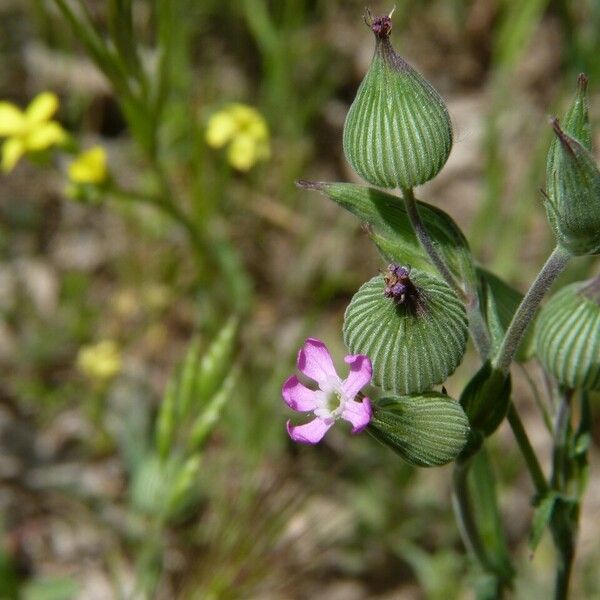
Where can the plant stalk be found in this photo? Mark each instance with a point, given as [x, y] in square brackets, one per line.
[533, 465]
[427, 243]
[477, 325]
[524, 314]
[564, 519]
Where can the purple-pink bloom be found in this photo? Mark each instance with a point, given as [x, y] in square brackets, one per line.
[334, 398]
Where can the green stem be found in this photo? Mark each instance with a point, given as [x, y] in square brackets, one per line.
[553, 267]
[564, 520]
[537, 397]
[461, 498]
[427, 243]
[560, 456]
[477, 325]
[533, 465]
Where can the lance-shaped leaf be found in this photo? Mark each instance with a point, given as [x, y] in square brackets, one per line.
[541, 518]
[390, 228]
[482, 486]
[414, 345]
[426, 430]
[567, 336]
[500, 302]
[486, 399]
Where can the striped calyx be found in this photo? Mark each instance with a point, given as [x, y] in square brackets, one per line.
[573, 179]
[398, 132]
[573, 208]
[415, 339]
[426, 430]
[567, 336]
[575, 123]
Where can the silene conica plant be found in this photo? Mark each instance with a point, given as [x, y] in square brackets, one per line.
[406, 329]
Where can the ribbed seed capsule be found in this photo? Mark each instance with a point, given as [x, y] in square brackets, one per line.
[398, 133]
[426, 429]
[411, 325]
[567, 336]
[573, 208]
[575, 123]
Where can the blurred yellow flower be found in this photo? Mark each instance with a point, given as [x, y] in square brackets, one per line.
[246, 132]
[89, 166]
[30, 130]
[100, 362]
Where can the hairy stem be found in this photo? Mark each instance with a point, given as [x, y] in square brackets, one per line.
[477, 325]
[553, 267]
[427, 243]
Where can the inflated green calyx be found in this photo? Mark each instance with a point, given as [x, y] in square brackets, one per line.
[567, 336]
[426, 430]
[411, 325]
[573, 201]
[398, 132]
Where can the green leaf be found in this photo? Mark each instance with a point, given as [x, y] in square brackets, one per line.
[486, 399]
[211, 412]
[426, 430]
[482, 485]
[165, 488]
[186, 389]
[216, 363]
[500, 302]
[567, 336]
[167, 419]
[411, 350]
[541, 519]
[391, 231]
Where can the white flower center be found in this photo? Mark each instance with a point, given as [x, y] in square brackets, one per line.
[332, 403]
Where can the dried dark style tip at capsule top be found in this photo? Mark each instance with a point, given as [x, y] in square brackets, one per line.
[399, 287]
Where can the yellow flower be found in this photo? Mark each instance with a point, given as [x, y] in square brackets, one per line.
[100, 362]
[30, 130]
[89, 166]
[246, 132]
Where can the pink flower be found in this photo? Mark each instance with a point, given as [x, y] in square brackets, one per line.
[335, 397]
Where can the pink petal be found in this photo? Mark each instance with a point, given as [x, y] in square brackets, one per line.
[358, 413]
[315, 362]
[311, 433]
[360, 374]
[297, 396]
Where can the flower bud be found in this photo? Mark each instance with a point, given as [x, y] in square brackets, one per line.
[427, 429]
[575, 123]
[573, 199]
[398, 132]
[567, 336]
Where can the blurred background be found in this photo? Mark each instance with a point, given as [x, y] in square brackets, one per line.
[113, 291]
